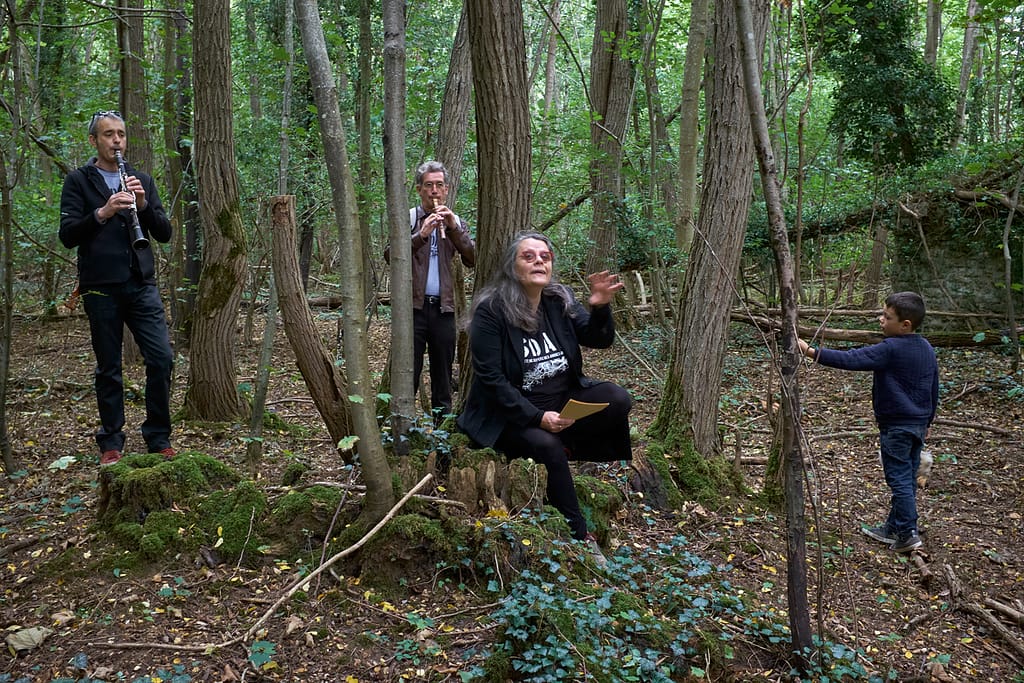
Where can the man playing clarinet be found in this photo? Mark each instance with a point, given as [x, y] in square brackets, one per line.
[103, 210]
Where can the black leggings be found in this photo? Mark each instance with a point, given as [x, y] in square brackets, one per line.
[601, 437]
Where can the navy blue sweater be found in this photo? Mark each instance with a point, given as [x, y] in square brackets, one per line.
[905, 389]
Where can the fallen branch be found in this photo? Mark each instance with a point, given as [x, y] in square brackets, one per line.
[956, 590]
[922, 568]
[294, 588]
[1007, 611]
[973, 425]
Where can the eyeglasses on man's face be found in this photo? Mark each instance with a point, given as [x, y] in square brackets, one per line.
[438, 185]
[532, 256]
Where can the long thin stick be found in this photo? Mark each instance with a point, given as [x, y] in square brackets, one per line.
[288, 594]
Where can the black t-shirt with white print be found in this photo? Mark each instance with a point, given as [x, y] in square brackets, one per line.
[545, 369]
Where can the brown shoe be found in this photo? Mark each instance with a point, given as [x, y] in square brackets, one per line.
[109, 457]
[168, 453]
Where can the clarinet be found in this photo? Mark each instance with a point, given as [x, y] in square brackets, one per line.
[139, 240]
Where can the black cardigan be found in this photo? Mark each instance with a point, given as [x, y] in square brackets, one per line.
[495, 397]
[105, 252]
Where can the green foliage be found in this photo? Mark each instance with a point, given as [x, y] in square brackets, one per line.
[890, 108]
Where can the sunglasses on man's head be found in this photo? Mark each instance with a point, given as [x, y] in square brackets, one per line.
[105, 114]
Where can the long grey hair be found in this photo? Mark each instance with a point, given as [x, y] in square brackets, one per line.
[506, 292]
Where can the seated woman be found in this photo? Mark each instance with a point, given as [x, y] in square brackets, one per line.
[525, 335]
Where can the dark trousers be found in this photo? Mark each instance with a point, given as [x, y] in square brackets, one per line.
[901, 457]
[110, 309]
[601, 437]
[434, 332]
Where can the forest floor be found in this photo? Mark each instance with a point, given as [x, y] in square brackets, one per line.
[125, 625]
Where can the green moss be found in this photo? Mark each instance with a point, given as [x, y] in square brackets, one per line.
[236, 517]
[293, 472]
[599, 501]
[152, 546]
[656, 456]
[140, 484]
[701, 478]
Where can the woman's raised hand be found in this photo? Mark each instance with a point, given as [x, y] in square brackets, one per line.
[603, 286]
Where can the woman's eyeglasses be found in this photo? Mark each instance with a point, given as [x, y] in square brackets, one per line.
[531, 256]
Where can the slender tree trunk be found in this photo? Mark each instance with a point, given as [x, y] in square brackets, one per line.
[689, 112]
[796, 525]
[966, 67]
[933, 28]
[6, 300]
[375, 470]
[498, 49]
[181, 203]
[212, 392]
[611, 95]
[326, 382]
[254, 447]
[364, 132]
[450, 150]
[1011, 313]
[255, 108]
[403, 405]
[550, 72]
[133, 100]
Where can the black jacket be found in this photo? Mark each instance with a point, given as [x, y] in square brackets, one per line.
[105, 252]
[495, 399]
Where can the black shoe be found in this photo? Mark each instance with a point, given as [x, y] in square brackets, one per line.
[882, 533]
[908, 543]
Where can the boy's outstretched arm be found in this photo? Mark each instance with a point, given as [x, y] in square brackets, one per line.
[806, 348]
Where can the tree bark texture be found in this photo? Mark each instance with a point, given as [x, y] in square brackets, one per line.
[326, 382]
[450, 150]
[689, 405]
[212, 392]
[611, 93]
[966, 67]
[361, 394]
[498, 49]
[403, 406]
[789, 363]
[689, 123]
[933, 26]
[133, 101]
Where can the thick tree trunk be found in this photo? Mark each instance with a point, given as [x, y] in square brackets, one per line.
[360, 394]
[611, 93]
[212, 392]
[689, 404]
[498, 53]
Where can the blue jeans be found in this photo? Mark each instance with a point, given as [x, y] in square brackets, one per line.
[137, 306]
[901, 456]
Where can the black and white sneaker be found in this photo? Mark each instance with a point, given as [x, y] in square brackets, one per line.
[881, 533]
[908, 543]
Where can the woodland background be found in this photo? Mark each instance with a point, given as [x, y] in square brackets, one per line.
[283, 139]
